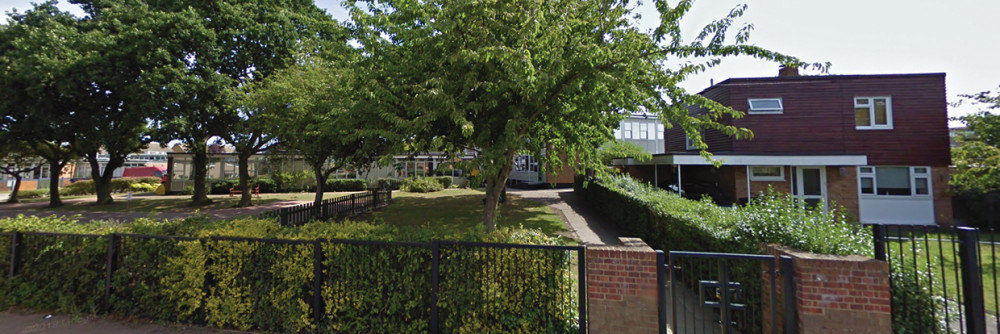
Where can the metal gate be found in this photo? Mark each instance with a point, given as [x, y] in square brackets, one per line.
[725, 293]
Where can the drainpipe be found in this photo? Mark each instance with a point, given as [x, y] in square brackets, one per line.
[656, 175]
[748, 184]
[679, 191]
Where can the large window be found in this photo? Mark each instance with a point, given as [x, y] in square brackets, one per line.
[873, 113]
[894, 181]
[765, 106]
[767, 173]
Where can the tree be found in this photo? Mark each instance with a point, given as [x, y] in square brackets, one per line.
[39, 86]
[977, 158]
[523, 76]
[132, 56]
[250, 134]
[239, 42]
[16, 158]
[313, 108]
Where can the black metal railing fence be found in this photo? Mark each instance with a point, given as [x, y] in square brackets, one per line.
[339, 207]
[301, 285]
[943, 278]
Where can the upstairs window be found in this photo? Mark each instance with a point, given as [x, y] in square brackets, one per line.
[766, 106]
[873, 113]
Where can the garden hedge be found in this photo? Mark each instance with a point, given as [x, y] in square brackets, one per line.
[200, 277]
[668, 221]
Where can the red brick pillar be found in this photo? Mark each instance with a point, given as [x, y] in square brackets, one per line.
[622, 288]
[838, 294]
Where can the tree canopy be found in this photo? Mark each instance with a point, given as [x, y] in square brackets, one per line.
[549, 78]
[977, 158]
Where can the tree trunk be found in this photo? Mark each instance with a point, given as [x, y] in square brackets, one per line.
[320, 183]
[494, 186]
[55, 169]
[245, 181]
[199, 160]
[17, 188]
[102, 181]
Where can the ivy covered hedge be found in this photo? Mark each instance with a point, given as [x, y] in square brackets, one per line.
[201, 275]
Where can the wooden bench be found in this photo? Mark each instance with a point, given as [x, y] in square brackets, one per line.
[237, 191]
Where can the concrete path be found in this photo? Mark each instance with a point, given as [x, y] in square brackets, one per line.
[590, 227]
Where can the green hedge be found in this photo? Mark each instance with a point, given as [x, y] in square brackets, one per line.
[345, 185]
[389, 183]
[119, 185]
[667, 221]
[266, 286]
[421, 185]
[26, 194]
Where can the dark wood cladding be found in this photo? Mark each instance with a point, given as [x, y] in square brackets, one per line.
[676, 140]
[818, 118]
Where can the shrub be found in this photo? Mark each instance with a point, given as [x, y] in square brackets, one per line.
[266, 185]
[143, 187]
[268, 286]
[666, 221]
[119, 185]
[27, 194]
[421, 185]
[221, 187]
[445, 181]
[389, 183]
[345, 185]
[82, 187]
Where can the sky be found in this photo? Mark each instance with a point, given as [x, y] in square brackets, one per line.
[959, 37]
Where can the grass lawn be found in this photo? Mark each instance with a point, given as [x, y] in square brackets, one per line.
[176, 203]
[944, 265]
[461, 209]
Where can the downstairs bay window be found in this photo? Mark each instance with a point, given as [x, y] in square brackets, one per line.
[894, 181]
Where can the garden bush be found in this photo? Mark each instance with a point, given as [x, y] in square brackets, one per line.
[221, 187]
[27, 194]
[666, 221]
[119, 185]
[421, 185]
[389, 183]
[445, 181]
[249, 284]
[345, 185]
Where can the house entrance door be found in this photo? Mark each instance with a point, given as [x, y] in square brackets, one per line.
[810, 185]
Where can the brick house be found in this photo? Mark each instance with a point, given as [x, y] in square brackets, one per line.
[876, 145]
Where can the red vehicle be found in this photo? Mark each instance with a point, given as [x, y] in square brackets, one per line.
[159, 172]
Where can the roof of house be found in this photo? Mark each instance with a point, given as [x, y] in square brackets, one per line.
[807, 78]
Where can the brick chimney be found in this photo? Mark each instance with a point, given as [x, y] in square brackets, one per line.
[788, 71]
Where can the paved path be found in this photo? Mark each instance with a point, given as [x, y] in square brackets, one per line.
[590, 227]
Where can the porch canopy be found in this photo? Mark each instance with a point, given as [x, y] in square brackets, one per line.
[747, 160]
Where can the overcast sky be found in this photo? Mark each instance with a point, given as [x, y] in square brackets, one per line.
[959, 37]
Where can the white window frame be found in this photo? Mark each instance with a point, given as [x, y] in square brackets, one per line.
[659, 131]
[871, 112]
[780, 177]
[764, 111]
[643, 131]
[627, 130]
[688, 143]
[914, 175]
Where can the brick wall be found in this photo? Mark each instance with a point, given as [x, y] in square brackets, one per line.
[622, 288]
[842, 189]
[838, 294]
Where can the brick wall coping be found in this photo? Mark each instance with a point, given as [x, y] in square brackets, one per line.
[627, 244]
[815, 256]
